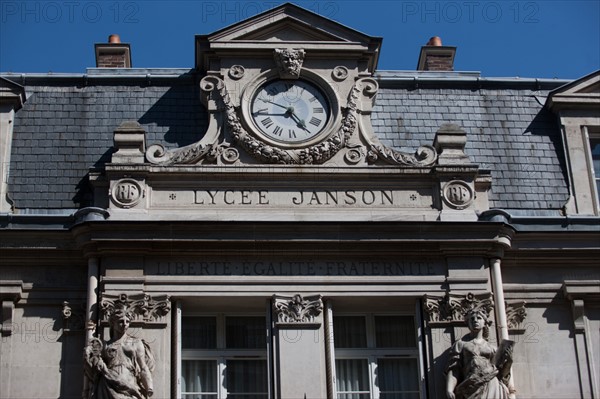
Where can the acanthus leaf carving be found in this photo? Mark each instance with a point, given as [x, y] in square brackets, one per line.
[298, 311]
[516, 314]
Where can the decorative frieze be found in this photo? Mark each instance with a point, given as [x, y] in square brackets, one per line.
[298, 311]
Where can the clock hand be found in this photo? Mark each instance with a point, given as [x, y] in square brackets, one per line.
[271, 102]
[299, 121]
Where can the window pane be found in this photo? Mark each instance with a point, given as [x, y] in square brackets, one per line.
[199, 376]
[199, 332]
[246, 332]
[394, 332]
[246, 379]
[397, 378]
[349, 332]
[352, 378]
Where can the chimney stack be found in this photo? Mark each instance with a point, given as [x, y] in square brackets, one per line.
[435, 57]
[113, 54]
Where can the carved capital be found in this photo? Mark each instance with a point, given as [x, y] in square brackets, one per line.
[298, 311]
[289, 62]
[140, 308]
[515, 315]
[452, 309]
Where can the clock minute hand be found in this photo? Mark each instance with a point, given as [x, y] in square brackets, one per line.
[271, 102]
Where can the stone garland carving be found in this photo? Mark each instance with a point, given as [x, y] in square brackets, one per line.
[297, 310]
[289, 62]
[122, 366]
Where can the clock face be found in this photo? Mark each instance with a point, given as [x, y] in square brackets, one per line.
[290, 112]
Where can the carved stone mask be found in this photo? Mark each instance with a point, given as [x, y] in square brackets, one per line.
[289, 62]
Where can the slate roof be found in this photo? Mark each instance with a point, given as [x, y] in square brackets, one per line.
[66, 127]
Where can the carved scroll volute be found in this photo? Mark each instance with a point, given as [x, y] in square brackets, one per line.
[367, 89]
[298, 311]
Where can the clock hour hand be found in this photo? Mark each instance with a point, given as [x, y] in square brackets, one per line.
[299, 121]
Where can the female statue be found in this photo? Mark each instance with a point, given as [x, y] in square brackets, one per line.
[121, 368]
[474, 370]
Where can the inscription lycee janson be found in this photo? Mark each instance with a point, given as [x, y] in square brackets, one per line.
[293, 268]
[307, 198]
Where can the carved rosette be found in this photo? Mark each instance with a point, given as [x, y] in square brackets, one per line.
[451, 309]
[298, 311]
[140, 308]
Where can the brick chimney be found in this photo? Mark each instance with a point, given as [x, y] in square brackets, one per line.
[435, 57]
[113, 54]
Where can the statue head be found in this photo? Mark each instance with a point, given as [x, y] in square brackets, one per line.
[119, 321]
[478, 319]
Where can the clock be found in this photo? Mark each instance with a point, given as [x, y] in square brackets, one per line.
[291, 113]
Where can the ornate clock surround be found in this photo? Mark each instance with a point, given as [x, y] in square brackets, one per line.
[334, 117]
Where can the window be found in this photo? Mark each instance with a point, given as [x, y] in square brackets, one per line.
[376, 356]
[595, 150]
[224, 356]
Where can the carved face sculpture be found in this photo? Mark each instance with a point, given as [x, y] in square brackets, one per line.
[120, 321]
[477, 320]
[289, 61]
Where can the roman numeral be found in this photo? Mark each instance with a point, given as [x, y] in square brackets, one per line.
[312, 99]
[315, 121]
[292, 133]
[317, 110]
[277, 131]
[261, 111]
[272, 91]
[267, 122]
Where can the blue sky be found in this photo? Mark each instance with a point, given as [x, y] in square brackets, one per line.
[538, 39]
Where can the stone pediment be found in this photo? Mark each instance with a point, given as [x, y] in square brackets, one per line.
[286, 24]
[582, 93]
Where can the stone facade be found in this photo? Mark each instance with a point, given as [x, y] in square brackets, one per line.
[210, 239]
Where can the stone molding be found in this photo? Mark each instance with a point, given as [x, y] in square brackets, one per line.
[141, 308]
[298, 311]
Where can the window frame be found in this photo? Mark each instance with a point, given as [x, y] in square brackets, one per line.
[592, 132]
[221, 354]
[371, 353]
